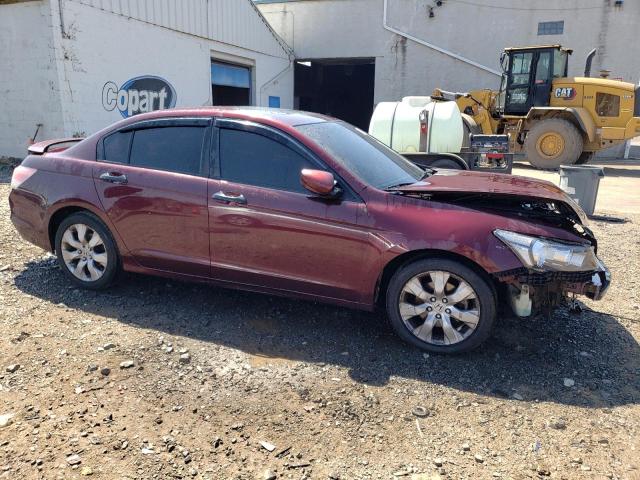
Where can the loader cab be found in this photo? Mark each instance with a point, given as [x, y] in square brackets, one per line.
[528, 73]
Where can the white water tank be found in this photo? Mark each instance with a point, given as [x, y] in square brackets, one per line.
[397, 124]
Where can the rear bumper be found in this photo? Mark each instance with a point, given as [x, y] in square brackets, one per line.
[27, 216]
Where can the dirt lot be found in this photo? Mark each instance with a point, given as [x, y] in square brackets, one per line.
[158, 379]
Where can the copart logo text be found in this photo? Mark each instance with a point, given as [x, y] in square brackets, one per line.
[138, 95]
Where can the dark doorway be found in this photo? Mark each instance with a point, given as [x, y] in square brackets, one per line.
[342, 88]
[223, 95]
[230, 84]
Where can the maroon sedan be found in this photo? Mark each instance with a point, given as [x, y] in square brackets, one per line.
[303, 205]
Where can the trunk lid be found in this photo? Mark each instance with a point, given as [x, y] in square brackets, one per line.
[50, 146]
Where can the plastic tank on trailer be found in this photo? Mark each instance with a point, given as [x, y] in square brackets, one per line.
[398, 125]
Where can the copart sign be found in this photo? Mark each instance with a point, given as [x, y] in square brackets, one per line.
[138, 95]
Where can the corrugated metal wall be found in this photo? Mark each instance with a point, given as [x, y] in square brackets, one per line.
[235, 22]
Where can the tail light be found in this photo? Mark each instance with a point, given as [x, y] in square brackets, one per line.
[20, 175]
[423, 117]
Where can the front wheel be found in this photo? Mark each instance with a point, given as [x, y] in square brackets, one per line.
[86, 251]
[446, 163]
[552, 142]
[441, 306]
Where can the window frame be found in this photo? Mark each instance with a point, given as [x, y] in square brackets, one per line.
[551, 27]
[205, 122]
[278, 136]
[616, 104]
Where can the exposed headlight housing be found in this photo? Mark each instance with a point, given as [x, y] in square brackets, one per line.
[549, 255]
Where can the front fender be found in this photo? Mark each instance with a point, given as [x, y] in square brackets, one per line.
[579, 115]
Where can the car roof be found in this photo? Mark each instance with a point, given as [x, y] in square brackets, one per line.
[274, 117]
[271, 115]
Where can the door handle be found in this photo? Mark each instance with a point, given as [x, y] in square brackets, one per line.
[229, 198]
[113, 177]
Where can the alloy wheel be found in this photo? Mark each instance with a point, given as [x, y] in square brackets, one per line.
[439, 307]
[84, 252]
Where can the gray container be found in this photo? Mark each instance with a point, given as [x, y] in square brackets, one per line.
[581, 183]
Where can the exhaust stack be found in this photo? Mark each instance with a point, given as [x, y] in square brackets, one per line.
[587, 67]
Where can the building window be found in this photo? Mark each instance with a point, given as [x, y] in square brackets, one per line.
[274, 102]
[551, 28]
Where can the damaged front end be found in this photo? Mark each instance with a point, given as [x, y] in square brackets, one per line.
[530, 291]
[553, 269]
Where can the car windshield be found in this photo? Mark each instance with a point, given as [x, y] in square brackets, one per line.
[370, 160]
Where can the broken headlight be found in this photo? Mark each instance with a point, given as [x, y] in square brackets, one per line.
[544, 254]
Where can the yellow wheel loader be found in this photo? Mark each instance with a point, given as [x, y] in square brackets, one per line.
[551, 118]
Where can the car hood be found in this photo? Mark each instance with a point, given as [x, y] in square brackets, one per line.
[509, 195]
[459, 181]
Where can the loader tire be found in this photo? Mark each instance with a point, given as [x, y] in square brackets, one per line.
[585, 157]
[553, 142]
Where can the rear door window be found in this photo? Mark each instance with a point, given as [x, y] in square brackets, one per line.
[174, 149]
[254, 159]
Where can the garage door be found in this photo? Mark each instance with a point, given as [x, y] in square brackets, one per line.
[231, 84]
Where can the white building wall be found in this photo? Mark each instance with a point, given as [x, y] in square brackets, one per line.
[28, 77]
[89, 43]
[476, 30]
[235, 22]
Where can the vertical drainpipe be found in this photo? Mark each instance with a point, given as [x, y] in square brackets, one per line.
[56, 8]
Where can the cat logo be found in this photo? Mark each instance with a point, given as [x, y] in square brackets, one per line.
[565, 92]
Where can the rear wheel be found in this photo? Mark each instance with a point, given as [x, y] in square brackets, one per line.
[441, 306]
[553, 142]
[86, 251]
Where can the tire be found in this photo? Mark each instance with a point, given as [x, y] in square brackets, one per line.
[479, 308]
[446, 163]
[469, 127]
[553, 142]
[71, 250]
[585, 157]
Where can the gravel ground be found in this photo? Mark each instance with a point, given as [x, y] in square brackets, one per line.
[162, 379]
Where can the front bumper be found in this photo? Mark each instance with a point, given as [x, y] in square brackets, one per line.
[593, 284]
[599, 284]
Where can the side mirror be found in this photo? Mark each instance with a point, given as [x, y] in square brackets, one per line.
[319, 182]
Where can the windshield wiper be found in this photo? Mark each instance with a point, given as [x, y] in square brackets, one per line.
[428, 171]
[398, 185]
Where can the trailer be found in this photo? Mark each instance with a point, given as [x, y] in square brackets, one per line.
[433, 133]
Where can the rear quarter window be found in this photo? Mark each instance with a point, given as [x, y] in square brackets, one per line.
[115, 147]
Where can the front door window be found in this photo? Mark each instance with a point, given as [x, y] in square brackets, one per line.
[517, 96]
